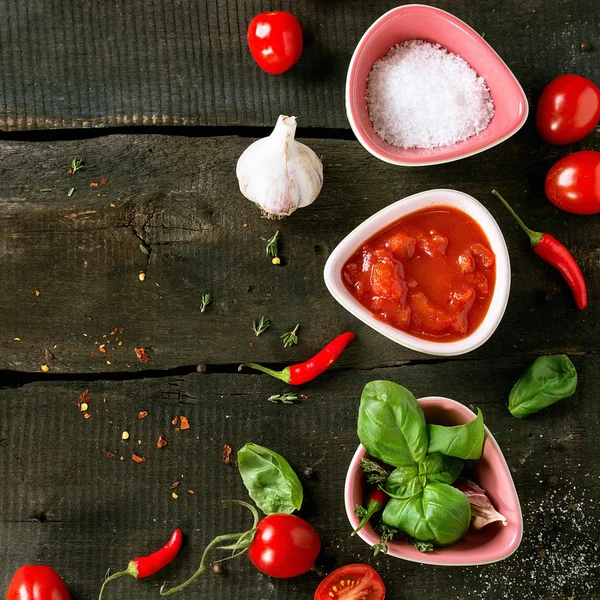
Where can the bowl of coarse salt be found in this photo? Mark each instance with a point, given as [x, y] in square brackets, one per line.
[424, 88]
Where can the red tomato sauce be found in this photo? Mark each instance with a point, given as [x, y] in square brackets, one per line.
[431, 274]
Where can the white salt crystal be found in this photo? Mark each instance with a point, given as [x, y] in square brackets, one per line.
[422, 96]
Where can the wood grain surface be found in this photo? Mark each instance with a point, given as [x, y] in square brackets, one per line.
[186, 62]
[167, 206]
[99, 512]
[178, 198]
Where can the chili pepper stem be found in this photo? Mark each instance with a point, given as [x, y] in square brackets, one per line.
[218, 540]
[283, 375]
[131, 570]
[534, 236]
[243, 541]
[372, 508]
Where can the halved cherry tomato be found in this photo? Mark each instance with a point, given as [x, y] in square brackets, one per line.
[37, 583]
[284, 546]
[573, 183]
[568, 109]
[352, 582]
[275, 40]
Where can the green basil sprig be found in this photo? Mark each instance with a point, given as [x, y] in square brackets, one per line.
[440, 514]
[548, 380]
[269, 479]
[409, 480]
[391, 425]
[462, 441]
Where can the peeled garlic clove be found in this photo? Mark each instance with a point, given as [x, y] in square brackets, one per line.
[278, 173]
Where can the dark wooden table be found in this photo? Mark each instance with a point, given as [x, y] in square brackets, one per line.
[70, 287]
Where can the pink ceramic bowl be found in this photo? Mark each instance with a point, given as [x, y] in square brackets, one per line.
[416, 21]
[491, 544]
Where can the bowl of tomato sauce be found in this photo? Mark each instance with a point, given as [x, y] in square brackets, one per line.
[430, 272]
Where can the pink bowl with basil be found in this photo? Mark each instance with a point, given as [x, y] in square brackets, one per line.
[491, 544]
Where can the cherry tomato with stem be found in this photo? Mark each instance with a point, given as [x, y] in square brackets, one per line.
[284, 546]
[568, 109]
[275, 41]
[32, 582]
[352, 582]
[573, 183]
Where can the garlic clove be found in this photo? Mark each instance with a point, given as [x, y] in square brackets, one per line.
[278, 173]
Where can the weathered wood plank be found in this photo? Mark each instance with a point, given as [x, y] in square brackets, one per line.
[98, 64]
[179, 197]
[100, 512]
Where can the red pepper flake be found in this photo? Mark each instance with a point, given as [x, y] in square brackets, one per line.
[175, 421]
[142, 355]
[104, 399]
[185, 424]
[104, 180]
[94, 184]
[86, 415]
[137, 459]
[142, 414]
[161, 442]
[108, 453]
[191, 492]
[102, 349]
[175, 485]
[85, 396]
[227, 450]
[121, 330]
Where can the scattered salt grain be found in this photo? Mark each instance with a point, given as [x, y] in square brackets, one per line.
[421, 96]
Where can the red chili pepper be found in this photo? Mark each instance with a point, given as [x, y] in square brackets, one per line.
[376, 500]
[554, 253]
[144, 566]
[307, 371]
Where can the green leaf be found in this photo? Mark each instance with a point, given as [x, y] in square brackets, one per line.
[440, 514]
[440, 468]
[462, 441]
[391, 424]
[270, 480]
[405, 482]
[548, 380]
[410, 480]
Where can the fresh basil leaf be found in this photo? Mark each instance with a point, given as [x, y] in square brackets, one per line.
[440, 514]
[462, 441]
[391, 424]
[440, 468]
[548, 380]
[409, 480]
[404, 482]
[269, 479]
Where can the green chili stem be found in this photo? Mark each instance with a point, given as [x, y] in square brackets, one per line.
[114, 576]
[534, 236]
[283, 375]
[244, 536]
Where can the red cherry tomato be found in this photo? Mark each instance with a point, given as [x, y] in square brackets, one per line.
[573, 183]
[284, 546]
[352, 582]
[275, 40]
[37, 583]
[569, 109]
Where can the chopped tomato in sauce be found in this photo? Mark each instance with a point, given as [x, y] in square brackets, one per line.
[431, 274]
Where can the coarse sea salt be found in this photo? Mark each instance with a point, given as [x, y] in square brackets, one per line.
[422, 96]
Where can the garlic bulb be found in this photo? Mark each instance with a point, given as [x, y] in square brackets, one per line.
[278, 173]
